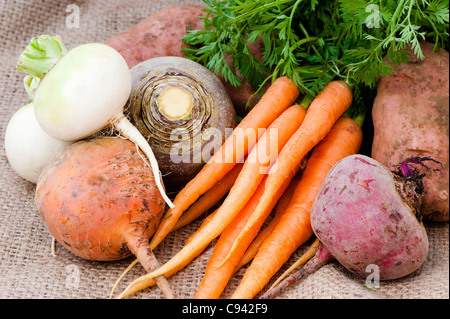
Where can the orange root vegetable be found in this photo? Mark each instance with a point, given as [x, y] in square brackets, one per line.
[210, 198]
[151, 283]
[282, 204]
[280, 95]
[99, 200]
[218, 270]
[323, 112]
[202, 225]
[294, 227]
[254, 170]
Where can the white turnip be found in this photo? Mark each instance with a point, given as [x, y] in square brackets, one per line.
[81, 91]
[28, 148]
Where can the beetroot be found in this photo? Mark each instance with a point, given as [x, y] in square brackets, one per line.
[365, 215]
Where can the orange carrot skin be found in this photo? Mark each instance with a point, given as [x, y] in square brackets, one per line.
[262, 236]
[210, 198]
[245, 185]
[278, 97]
[218, 274]
[323, 112]
[258, 164]
[255, 168]
[206, 289]
[202, 225]
[294, 227]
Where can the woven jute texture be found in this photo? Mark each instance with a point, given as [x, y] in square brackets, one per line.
[28, 270]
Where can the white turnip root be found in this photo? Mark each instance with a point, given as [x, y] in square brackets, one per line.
[81, 91]
[28, 148]
[99, 199]
[365, 215]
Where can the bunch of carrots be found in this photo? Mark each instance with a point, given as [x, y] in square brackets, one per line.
[282, 168]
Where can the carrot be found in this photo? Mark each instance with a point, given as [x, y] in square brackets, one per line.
[259, 162]
[253, 172]
[294, 226]
[202, 225]
[279, 210]
[279, 96]
[210, 198]
[217, 273]
[281, 282]
[323, 112]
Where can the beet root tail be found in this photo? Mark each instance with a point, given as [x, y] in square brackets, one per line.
[321, 258]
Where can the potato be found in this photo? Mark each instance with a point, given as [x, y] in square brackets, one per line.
[411, 118]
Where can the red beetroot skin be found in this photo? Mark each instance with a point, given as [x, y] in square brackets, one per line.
[361, 219]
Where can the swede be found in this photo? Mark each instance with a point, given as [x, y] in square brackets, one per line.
[184, 112]
[81, 92]
[365, 215]
[28, 148]
[99, 199]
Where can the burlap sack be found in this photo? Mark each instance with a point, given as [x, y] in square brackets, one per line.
[27, 267]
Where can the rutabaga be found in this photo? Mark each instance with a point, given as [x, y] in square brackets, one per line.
[28, 147]
[81, 91]
[184, 112]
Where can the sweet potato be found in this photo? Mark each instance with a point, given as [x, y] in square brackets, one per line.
[161, 33]
[411, 118]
